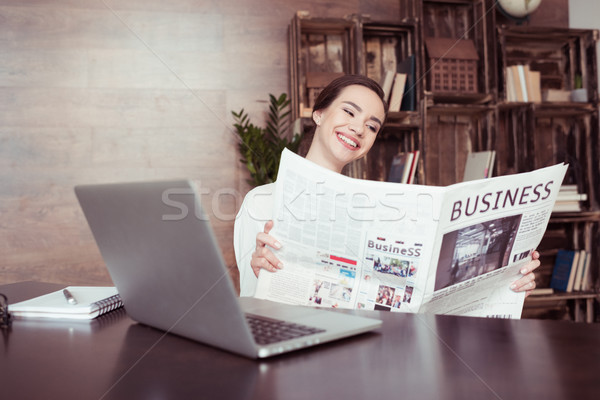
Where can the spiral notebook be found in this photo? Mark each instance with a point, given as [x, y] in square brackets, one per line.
[91, 302]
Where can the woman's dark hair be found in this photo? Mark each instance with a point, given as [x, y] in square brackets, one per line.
[332, 91]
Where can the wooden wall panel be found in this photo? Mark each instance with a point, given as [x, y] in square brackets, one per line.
[133, 90]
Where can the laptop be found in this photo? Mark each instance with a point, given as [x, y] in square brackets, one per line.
[161, 253]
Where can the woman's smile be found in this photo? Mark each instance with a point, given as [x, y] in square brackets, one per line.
[348, 141]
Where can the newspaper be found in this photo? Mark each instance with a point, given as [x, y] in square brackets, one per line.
[353, 243]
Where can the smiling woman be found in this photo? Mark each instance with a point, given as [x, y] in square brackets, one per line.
[347, 124]
[347, 114]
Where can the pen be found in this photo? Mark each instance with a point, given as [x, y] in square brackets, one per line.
[69, 297]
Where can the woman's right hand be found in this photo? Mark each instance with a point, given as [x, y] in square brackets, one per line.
[263, 257]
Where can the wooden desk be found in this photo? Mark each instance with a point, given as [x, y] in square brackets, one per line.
[411, 357]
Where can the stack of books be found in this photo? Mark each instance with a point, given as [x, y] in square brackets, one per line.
[569, 199]
[394, 85]
[404, 167]
[571, 271]
[398, 85]
[522, 84]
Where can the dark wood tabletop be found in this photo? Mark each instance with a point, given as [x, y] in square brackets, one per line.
[410, 357]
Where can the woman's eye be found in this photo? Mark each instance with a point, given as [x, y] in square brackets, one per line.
[373, 128]
[349, 112]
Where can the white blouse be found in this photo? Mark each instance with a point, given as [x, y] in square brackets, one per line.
[256, 210]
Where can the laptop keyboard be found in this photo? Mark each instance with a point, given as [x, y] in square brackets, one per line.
[267, 330]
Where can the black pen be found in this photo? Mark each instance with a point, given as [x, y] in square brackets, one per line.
[69, 297]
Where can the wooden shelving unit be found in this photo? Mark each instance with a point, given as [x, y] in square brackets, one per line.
[445, 126]
[551, 132]
[373, 46]
[320, 49]
[579, 304]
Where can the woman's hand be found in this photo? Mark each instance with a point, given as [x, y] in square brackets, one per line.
[527, 282]
[263, 257]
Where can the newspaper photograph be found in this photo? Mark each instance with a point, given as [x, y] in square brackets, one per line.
[353, 243]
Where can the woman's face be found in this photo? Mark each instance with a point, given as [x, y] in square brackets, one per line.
[347, 128]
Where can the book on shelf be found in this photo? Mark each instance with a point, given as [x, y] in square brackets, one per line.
[413, 166]
[573, 196]
[388, 81]
[479, 165]
[566, 206]
[534, 86]
[519, 85]
[556, 95]
[577, 271]
[515, 92]
[523, 84]
[585, 275]
[573, 272]
[404, 166]
[397, 92]
[584, 260]
[521, 74]
[407, 67]
[542, 291]
[568, 199]
[88, 302]
[568, 188]
[400, 168]
[511, 94]
[561, 274]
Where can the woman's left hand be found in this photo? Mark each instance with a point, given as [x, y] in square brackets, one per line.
[527, 282]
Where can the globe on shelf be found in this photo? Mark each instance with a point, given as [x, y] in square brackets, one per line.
[518, 9]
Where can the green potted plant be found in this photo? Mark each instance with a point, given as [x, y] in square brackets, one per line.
[579, 94]
[260, 148]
